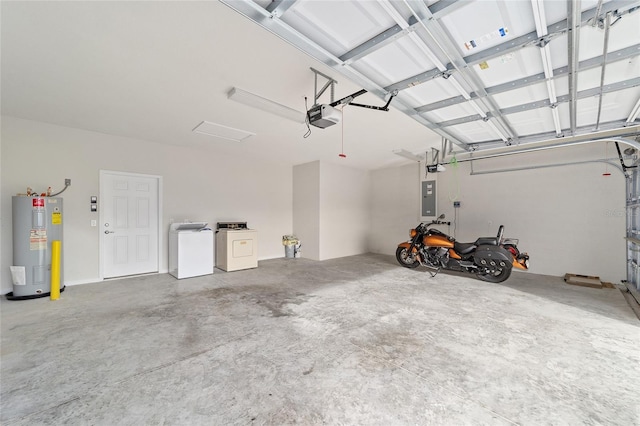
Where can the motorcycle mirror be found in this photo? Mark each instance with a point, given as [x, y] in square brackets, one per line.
[441, 216]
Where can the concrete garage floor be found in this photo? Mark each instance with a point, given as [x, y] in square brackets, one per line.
[357, 340]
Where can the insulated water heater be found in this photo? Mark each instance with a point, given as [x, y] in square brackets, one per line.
[37, 221]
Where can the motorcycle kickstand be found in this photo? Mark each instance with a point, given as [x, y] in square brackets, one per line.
[433, 274]
[429, 268]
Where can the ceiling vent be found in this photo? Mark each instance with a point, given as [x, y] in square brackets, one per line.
[223, 132]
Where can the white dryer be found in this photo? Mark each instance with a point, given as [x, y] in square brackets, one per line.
[236, 246]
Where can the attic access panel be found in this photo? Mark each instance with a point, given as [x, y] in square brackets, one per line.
[480, 73]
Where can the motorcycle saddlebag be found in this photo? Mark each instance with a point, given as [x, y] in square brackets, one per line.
[495, 253]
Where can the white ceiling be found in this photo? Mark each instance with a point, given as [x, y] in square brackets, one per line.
[154, 70]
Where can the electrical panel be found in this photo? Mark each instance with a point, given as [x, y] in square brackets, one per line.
[428, 198]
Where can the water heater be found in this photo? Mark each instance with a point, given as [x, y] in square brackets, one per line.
[37, 221]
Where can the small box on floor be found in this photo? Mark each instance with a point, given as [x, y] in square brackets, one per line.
[583, 280]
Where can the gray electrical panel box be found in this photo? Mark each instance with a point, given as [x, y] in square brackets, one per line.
[429, 198]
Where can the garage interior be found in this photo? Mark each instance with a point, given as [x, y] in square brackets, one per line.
[523, 113]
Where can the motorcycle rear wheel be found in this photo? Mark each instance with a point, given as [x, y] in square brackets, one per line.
[497, 276]
[405, 259]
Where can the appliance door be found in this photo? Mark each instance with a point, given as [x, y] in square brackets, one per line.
[242, 249]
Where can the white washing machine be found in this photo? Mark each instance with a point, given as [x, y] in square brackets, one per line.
[190, 250]
[236, 247]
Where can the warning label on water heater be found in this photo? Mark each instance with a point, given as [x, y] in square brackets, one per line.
[38, 239]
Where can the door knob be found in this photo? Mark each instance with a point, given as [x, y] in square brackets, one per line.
[109, 232]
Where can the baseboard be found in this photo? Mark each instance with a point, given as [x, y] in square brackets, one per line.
[270, 257]
[90, 281]
[80, 282]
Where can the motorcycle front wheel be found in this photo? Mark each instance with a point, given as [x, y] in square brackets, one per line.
[497, 276]
[405, 259]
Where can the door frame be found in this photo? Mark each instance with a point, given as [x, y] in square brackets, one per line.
[101, 215]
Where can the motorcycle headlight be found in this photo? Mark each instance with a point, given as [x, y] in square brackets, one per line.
[413, 233]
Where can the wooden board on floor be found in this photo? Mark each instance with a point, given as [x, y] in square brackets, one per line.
[583, 280]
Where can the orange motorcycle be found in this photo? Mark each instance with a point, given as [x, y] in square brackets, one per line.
[489, 258]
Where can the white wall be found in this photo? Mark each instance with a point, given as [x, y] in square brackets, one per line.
[331, 210]
[198, 184]
[569, 219]
[345, 216]
[394, 206]
[306, 208]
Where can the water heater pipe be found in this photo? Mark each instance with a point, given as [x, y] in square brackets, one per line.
[67, 183]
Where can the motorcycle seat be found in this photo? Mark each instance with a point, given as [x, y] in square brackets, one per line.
[464, 248]
[491, 241]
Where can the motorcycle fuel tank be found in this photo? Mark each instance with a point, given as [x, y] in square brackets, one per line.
[437, 241]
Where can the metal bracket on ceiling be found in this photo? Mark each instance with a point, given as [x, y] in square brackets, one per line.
[435, 156]
[618, 14]
[447, 147]
[543, 41]
[330, 83]
[599, 20]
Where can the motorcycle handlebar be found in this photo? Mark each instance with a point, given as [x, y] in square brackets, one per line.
[439, 222]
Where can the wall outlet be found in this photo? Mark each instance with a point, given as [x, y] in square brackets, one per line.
[94, 222]
[456, 204]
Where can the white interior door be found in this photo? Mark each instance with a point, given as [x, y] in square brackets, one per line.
[130, 211]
